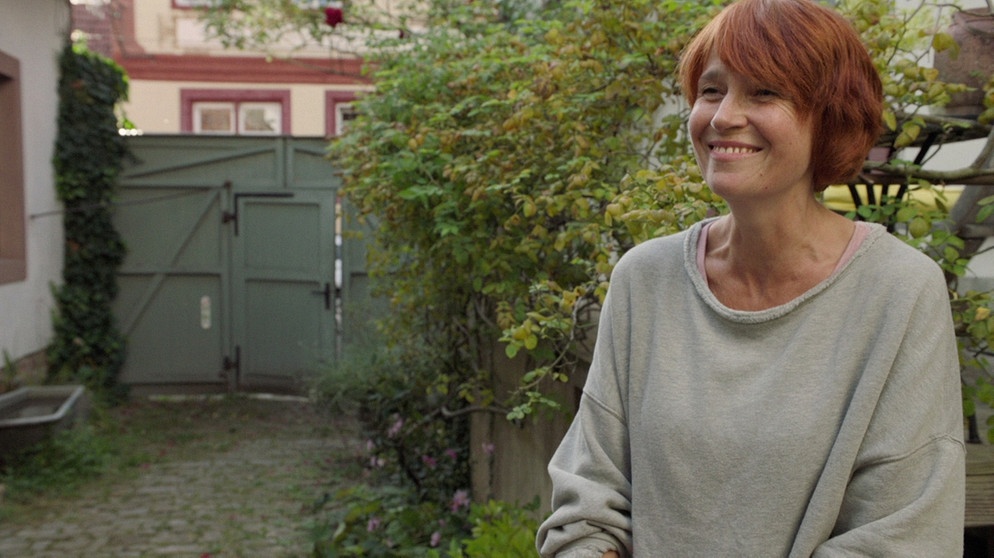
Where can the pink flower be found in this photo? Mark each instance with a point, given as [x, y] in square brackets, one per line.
[429, 461]
[395, 428]
[436, 539]
[452, 454]
[333, 16]
[460, 500]
[373, 524]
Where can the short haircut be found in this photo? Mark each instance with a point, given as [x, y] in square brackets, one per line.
[812, 55]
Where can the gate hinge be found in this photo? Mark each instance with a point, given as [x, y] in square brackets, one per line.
[229, 216]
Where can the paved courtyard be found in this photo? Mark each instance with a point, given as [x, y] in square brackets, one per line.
[231, 484]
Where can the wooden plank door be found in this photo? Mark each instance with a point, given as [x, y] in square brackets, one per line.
[283, 285]
[229, 278]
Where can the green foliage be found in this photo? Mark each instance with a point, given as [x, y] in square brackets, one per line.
[500, 531]
[900, 42]
[490, 155]
[386, 521]
[987, 117]
[8, 374]
[59, 464]
[87, 347]
[509, 160]
[410, 442]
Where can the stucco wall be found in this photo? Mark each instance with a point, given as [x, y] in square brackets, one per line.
[155, 108]
[33, 33]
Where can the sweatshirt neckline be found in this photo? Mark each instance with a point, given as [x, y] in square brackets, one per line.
[692, 242]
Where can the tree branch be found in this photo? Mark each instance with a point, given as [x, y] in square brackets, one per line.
[979, 173]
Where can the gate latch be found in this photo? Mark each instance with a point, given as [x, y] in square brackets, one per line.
[229, 364]
[326, 292]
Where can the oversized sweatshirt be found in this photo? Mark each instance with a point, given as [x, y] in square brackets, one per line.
[828, 426]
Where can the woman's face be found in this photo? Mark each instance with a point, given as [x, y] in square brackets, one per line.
[749, 141]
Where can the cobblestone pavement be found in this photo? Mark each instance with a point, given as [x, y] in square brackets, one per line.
[230, 484]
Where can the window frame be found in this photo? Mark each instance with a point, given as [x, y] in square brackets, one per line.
[333, 100]
[13, 242]
[200, 4]
[189, 97]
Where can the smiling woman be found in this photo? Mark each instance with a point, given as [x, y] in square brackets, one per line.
[742, 401]
[743, 131]
[826, 71]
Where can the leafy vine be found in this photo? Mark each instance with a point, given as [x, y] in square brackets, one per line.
[88, 347]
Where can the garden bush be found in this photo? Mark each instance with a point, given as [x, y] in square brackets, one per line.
[512, 151]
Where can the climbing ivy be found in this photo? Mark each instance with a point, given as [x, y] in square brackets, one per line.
[88, 347]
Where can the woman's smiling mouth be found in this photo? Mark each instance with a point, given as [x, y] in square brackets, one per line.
[733, 149]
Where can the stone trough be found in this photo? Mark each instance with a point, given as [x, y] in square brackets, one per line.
[29, 415]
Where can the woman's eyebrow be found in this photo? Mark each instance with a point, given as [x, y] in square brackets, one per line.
[710, 74]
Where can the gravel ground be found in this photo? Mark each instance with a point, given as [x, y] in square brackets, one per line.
[219, 477]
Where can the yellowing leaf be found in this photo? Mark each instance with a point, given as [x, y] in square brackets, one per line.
[531, 342]
[981, 313]
[909, 133]
[942, 42]
[890, 120]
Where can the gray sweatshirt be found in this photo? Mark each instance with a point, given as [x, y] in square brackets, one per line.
[828, 426]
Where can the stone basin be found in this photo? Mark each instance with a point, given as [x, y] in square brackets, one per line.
[29, 415]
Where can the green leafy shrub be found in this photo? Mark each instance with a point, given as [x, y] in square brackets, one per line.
[59, 464]
[87, 347]
[408, 442]
[386, 521]
[511, 152]
[493, 156]
[383, 521]
[500, 531]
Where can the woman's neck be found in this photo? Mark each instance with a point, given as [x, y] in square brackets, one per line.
[757, 263]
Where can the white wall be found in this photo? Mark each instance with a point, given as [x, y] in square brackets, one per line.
[33, 32]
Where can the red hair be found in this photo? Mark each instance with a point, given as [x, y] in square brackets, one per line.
[813, 56]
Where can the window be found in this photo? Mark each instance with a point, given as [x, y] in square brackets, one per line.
[338, 111]
[12, 233]
[194, 3]
[313, 4]
[214, 118]
[259, 118]
[232, 112]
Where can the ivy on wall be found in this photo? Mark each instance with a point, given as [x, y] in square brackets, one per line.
[88, 348]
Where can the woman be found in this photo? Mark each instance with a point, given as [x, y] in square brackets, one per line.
[779, 381]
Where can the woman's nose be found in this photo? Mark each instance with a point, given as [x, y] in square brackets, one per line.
[730, 113]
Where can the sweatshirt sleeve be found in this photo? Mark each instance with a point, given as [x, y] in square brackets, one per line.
[906, 493]
[590, 471]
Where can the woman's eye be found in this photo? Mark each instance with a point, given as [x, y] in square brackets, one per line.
[709, 91]
[766, 93]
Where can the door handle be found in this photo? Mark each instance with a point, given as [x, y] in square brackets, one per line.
[327, 295]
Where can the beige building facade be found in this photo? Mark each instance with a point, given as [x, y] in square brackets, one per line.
[183, 82]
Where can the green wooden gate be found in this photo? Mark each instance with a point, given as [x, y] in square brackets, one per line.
[230, 280]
